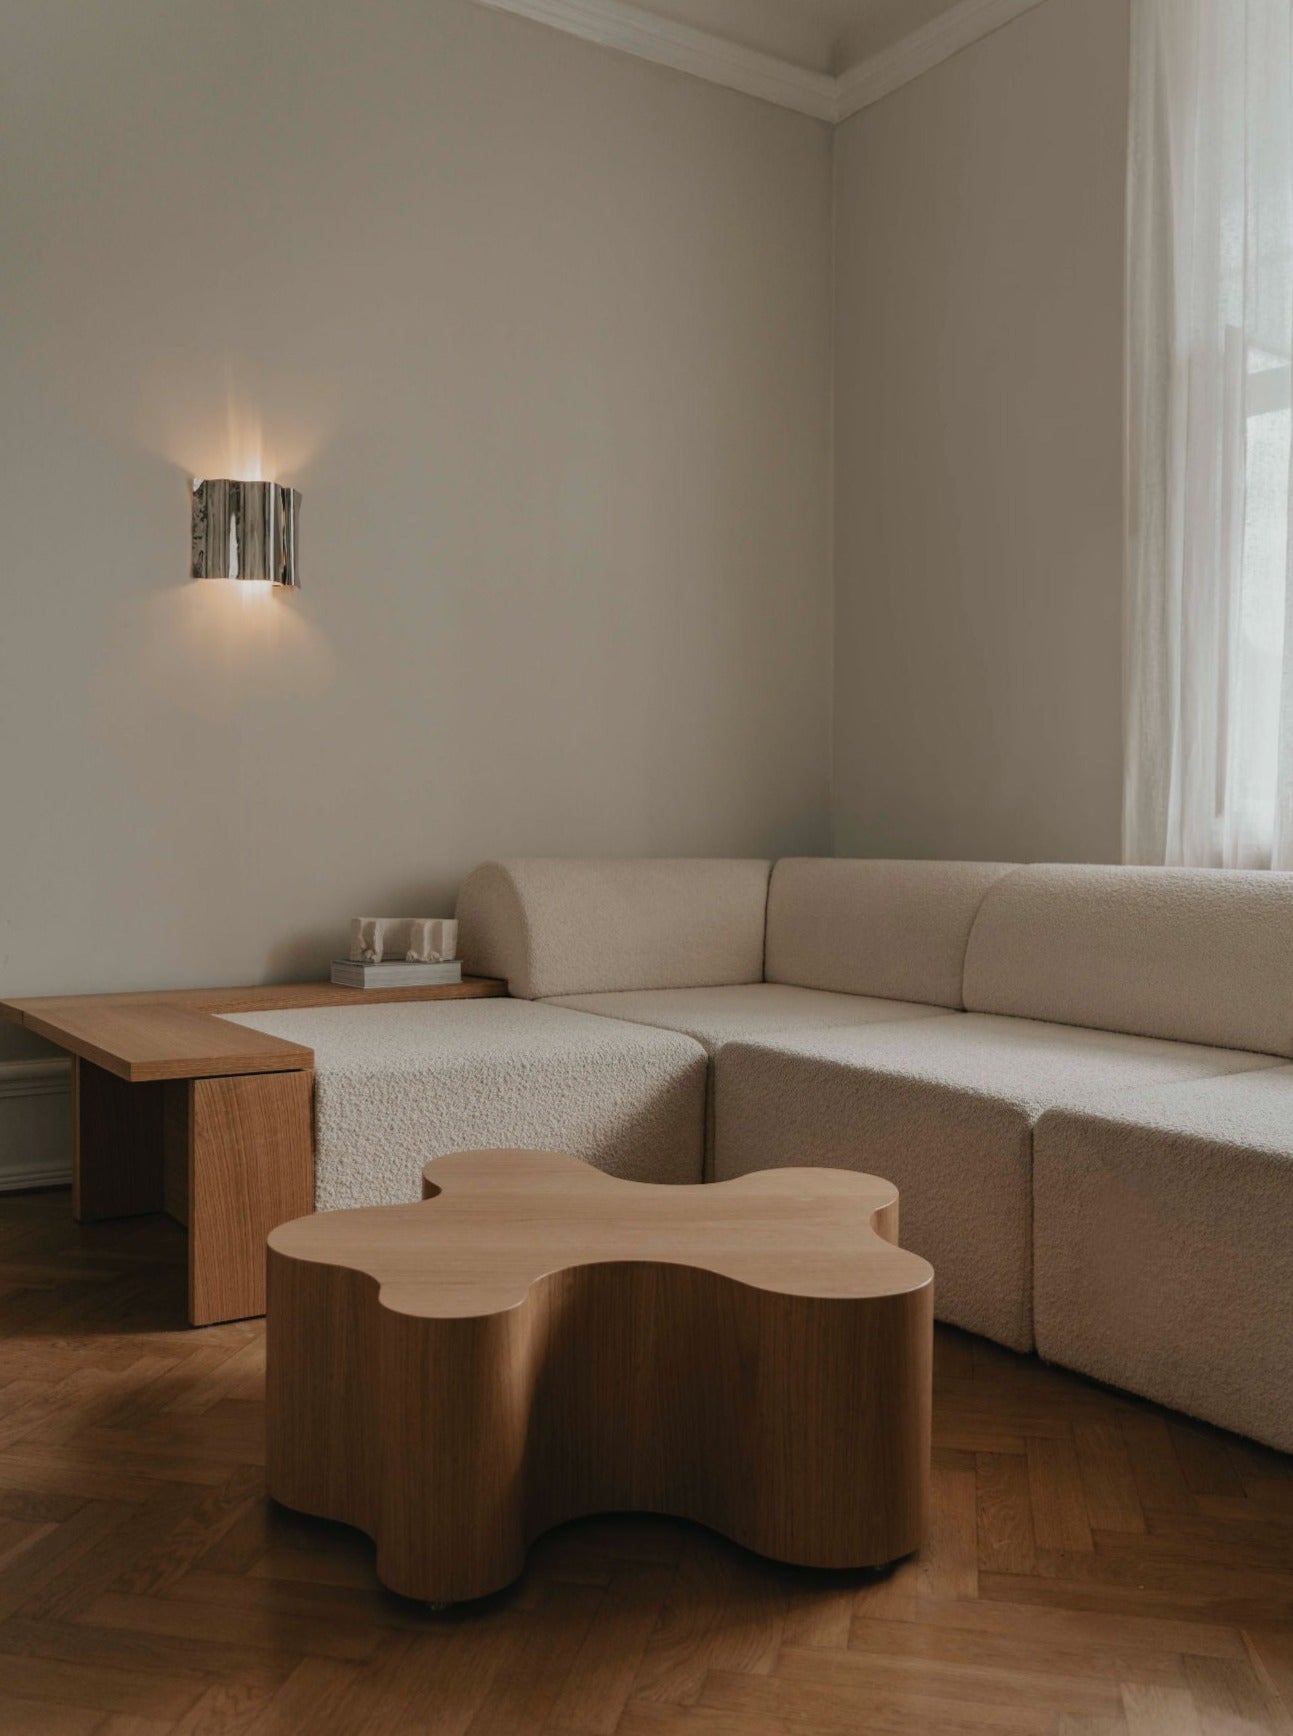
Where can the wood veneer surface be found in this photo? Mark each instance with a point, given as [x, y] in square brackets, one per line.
[177, 1034]
[538, 1340]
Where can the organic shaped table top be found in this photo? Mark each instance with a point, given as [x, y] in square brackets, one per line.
[497, 1222]
[536, 1340]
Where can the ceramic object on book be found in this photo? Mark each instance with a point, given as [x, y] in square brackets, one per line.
[415, 939]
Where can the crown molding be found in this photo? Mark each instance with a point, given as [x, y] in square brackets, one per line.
[957, 28]
[615, 24]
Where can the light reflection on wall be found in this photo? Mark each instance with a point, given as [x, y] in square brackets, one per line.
[254, 431]
[215, 647]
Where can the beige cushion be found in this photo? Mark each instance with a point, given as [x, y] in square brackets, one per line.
[1202, 955]
[569, 927]
[397, 1085]
[753, 1010]
[897, 930]
[944, 1108]
[1164, 1247]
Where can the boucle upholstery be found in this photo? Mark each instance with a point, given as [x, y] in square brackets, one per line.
[396, 1085]
[944, 1108]
[572, 927]
[1197, 954]
[897, 930]
[1164, 1247]
[750, 1011]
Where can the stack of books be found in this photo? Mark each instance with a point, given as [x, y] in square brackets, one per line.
[394, 973]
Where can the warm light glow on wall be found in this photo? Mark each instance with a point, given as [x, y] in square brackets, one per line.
[219, 650]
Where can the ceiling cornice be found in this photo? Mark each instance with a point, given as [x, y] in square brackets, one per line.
[615, 24]
[933, 43]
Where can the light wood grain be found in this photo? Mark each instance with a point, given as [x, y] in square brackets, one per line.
[178, 1033]
[229, 1158]
[539, 1340]
[250, 1167]
[149, 1040]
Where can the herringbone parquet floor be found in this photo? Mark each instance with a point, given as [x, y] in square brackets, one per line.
[1096, 1566]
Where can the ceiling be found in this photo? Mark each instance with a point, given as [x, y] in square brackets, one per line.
[829, 36]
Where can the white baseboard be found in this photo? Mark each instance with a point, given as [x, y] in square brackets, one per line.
[35, 1124]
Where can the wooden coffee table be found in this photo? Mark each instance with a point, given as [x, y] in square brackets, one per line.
[535, 1341]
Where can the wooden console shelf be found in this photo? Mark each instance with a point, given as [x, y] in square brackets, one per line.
[177, 1110]
[178, 1034]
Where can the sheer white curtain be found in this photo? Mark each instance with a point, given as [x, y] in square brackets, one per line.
[1209, 632]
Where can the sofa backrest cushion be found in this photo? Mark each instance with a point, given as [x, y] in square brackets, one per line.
[1202, 955]
[893, 929]
[577, 926]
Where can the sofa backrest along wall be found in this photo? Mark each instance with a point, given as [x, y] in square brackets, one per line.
[553, 926]
[1198, 955]
[895, 930]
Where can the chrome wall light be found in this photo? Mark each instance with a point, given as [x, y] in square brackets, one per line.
[245, 530]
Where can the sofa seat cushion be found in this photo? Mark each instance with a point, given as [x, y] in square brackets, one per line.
[746, 1011]
[396, 1085]
[944, 1108]
[1164, 1247]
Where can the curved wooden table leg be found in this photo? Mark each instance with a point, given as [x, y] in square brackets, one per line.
[539, 1342]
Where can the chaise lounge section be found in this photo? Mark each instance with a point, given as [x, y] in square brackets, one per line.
[398, 1085]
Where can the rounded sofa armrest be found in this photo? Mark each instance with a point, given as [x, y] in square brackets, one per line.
[568, 926]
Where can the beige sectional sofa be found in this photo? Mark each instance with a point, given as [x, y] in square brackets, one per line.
[1076, 1076]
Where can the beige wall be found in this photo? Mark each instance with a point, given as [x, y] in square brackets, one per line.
[543, 335]
[979, 450]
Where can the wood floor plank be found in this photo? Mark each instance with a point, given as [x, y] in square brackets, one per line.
[601, 1677]
[242, 1626]
[717, 1614]
[19, 1717]
[1232, 1697]
[1007, 1542]
[147, 1693]
[958, 1682]
[1095, 1566]
[1204, 1458]
[842, 1707]
[1108, 1482]
[1158, 1711]
[548, 1639]
[1118, 1659]
[147, 1653]
[1060, 1518]
[1271, 1654]
[62, 1555]
[1160, 1482]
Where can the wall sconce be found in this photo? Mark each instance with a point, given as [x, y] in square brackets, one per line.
[245, 530]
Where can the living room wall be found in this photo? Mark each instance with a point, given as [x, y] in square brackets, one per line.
[541, 332]
[979, 444]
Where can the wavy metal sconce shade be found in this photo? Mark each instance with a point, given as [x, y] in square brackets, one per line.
[245, 530]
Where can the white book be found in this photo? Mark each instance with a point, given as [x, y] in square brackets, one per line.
[394, 973]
